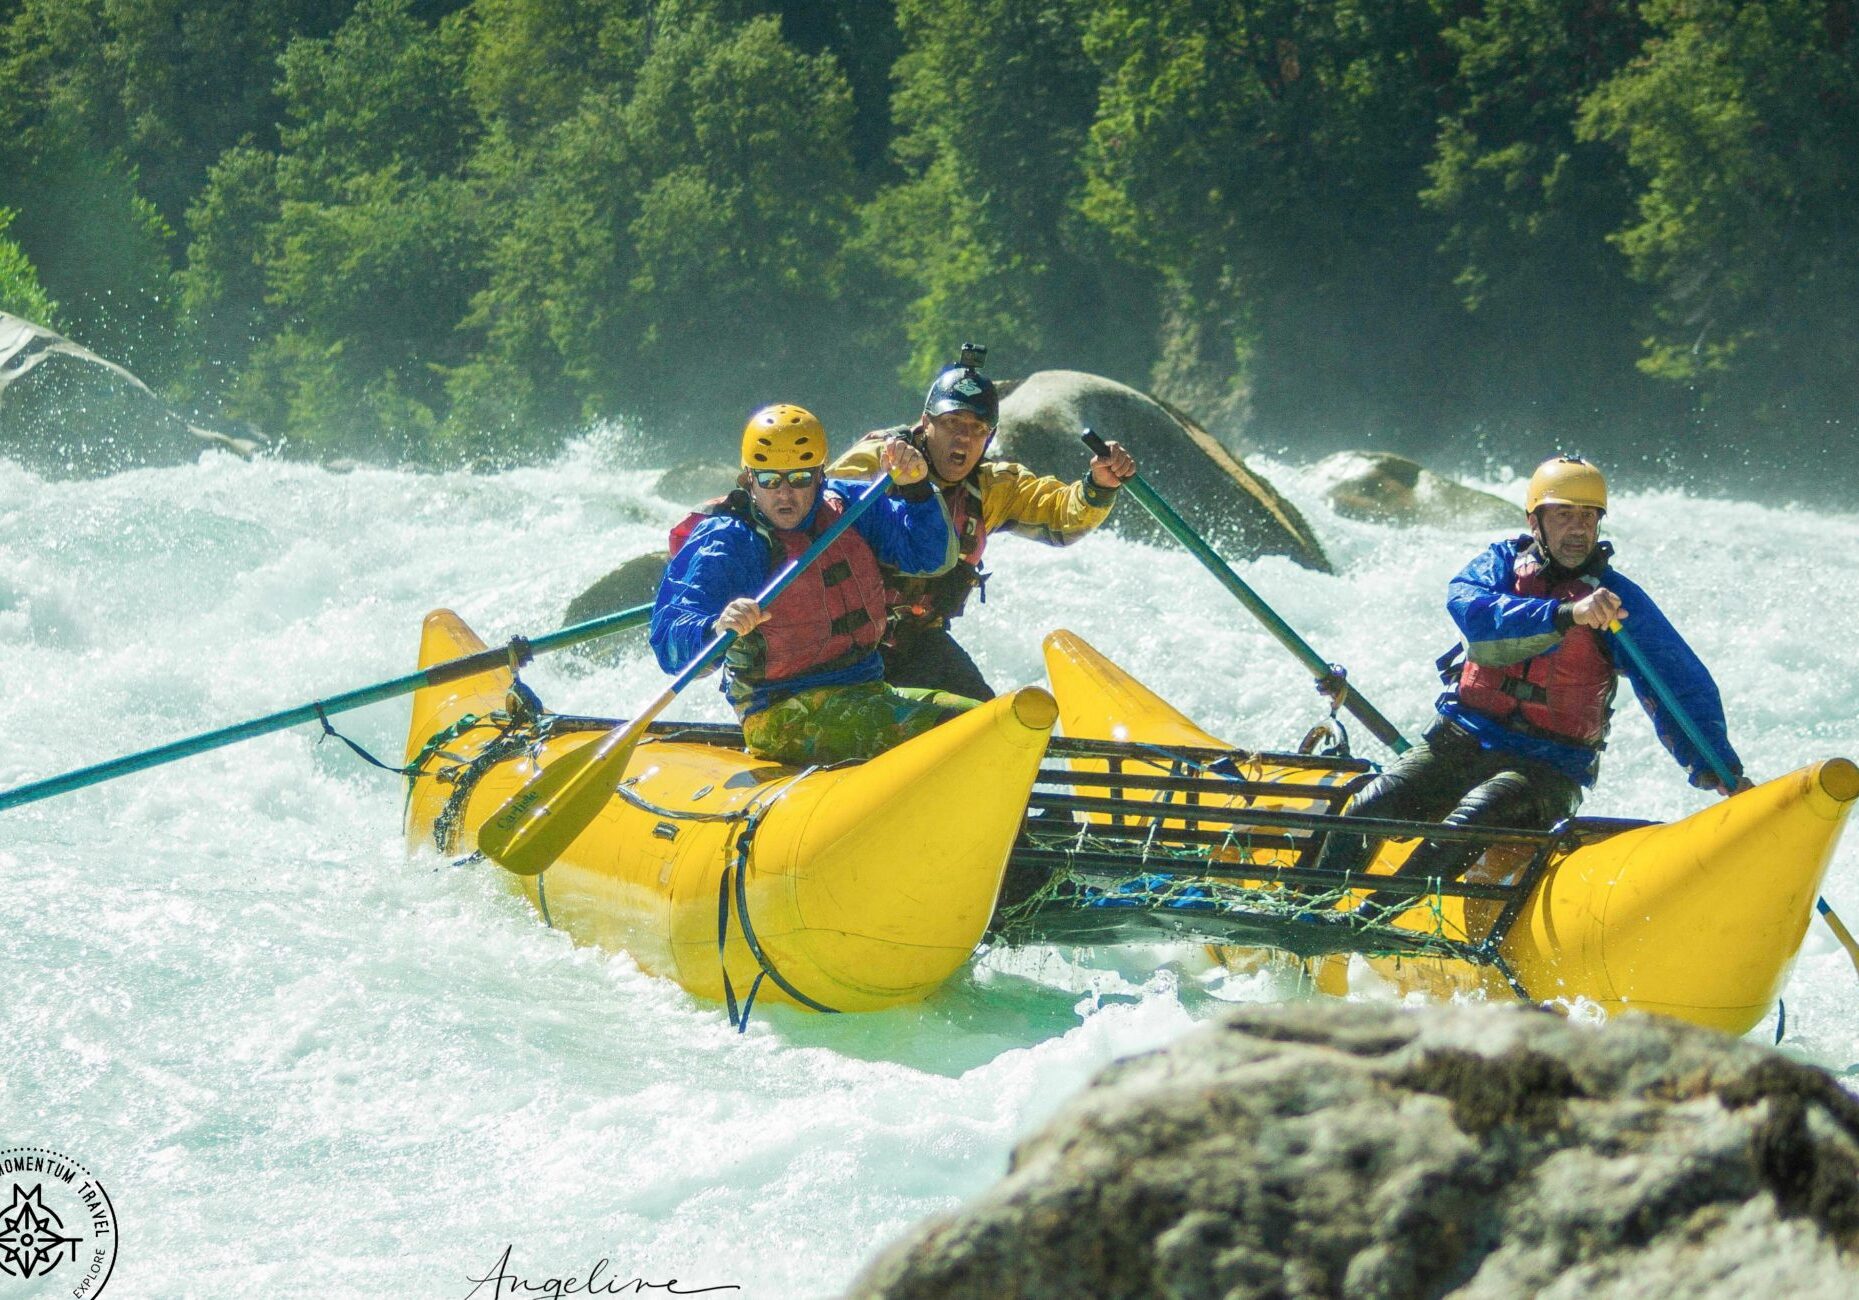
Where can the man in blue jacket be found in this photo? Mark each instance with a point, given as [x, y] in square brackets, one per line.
[1530, 691]
[805, 674]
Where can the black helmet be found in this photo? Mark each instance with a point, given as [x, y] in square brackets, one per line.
[962, 387]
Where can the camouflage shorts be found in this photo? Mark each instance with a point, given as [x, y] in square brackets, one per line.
[831, 724]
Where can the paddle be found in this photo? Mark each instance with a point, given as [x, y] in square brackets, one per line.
[517, 653]
[1378, 726]
[536, 823]
[1718, 766]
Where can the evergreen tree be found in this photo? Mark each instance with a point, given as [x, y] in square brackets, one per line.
[1741, 124]
[674, 248]
[1264, 158]
[994, 102]
[20, 291]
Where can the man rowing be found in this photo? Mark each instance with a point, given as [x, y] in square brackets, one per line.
[984, 496]
[1518, 736]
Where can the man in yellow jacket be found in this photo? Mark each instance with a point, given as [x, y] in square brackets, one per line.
[982, 497]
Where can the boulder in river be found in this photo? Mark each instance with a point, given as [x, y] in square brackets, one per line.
[696, 481]
[82, 416]
[1369, 1150]
[1380, 487]
[633, 583]
[1236, 509]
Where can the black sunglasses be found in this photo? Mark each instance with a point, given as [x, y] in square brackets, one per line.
[795, 478]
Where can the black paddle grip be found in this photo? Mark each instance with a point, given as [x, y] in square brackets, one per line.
[1097, 445]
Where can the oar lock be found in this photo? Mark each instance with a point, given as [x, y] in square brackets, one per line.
[521, 703]
[520, 653]
[1335, 686]
[1329, 738]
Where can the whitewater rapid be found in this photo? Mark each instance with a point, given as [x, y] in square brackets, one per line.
[305, 1063]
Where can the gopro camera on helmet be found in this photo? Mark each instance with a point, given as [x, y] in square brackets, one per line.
[962, 387]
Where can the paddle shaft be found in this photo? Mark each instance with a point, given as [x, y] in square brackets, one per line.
[1688, 725]
[1152, 501]
[506, 656]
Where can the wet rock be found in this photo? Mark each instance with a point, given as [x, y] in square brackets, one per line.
[68, 413]
[1383, 488]
[1361, 1150]
[1210, 487]
[696, 481]
[633, 583]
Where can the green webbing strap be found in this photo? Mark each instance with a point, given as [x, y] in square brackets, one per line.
[411, 769]
[512, 656]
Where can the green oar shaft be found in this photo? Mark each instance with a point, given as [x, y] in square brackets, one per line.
[451, 670]
[1716, 762]
[1152, 501]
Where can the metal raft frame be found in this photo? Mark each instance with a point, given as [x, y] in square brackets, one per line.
[1098, 860]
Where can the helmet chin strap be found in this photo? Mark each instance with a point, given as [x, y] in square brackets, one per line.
[1549, 556]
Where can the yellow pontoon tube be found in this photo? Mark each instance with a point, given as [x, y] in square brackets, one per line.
[847, 889]
[1698, 919]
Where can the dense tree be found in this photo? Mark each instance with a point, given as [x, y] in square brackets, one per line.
[1741, 124]
[994, 101]
[98, 246]
[863, 35]
[446, 227]
[357, 248]
[676, 253]
[1531, 205]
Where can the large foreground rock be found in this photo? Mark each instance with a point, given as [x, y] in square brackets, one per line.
[1369, 1151]
[1221, 498]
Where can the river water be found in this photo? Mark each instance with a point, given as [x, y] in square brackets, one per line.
[304, 1063]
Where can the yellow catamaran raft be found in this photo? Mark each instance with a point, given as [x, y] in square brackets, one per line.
[1698, 919]
[865, 886]
[845, 889]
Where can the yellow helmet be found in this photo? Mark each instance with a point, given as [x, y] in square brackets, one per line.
[783, 437]
[1566, 481]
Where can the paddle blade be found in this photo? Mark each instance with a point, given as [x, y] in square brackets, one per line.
[538, 822]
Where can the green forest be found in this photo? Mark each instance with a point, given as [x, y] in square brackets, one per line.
[449, 232]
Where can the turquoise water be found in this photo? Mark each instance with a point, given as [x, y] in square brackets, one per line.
[304, 1063]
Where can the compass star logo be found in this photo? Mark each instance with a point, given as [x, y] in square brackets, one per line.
[57, 1227]
[32, 1239]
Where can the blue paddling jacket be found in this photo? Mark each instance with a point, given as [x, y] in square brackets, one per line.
[1500, 626]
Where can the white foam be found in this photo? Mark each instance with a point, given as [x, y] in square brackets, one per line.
[304, 1063]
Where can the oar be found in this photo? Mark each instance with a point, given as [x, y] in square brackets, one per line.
[1378, 726]
[1689, 726]
[536, 823]
[511, 655]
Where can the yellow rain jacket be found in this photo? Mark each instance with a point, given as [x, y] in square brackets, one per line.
[995, 496]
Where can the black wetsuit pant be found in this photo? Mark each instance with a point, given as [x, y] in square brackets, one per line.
[1449, 777]
[932, 658]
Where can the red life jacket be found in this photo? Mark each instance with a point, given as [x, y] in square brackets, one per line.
[830, 615]
[919, 602]
[1564, 694]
